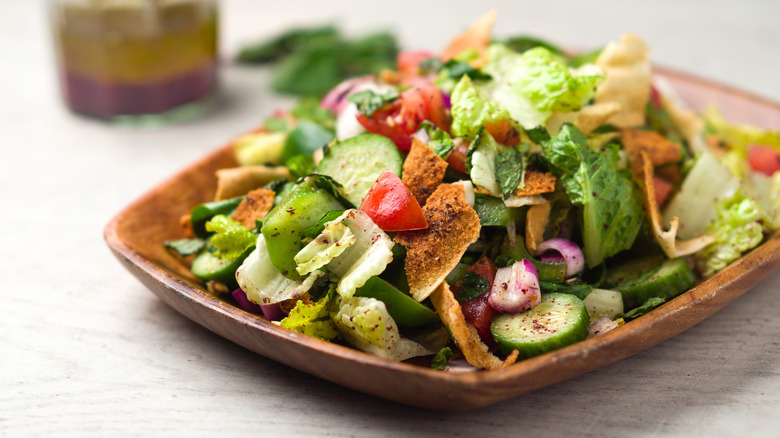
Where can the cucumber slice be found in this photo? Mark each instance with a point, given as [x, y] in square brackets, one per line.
[207, 266]
[203, 213]
[357, 162]
[559, 320]
[632, 269]
[666, 281]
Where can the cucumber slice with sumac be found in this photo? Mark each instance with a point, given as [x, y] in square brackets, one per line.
[559, 320]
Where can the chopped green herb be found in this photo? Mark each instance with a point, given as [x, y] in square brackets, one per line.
[509, 170]
[457, 69]
[186, 247]
[442, 357]
[473, 286]
[368, 101]
[440, 141]
[644, 309]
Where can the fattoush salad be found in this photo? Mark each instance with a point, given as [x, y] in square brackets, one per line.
[488, 204]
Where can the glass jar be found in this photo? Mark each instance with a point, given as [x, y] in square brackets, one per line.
[137, 61]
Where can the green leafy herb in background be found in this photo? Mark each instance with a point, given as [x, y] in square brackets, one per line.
[314, 60]
[368, 101]
[509, 170]
[474, 286]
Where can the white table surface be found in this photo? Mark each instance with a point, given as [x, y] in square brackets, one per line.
[86, 350]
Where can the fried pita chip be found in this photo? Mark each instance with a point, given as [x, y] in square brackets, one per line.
[536, 183]
[432, 253]
[535, 223]
[476, 37]
[667, 240]
[627, 65]
[237, 181]
[658, 150]
[255, 206]
[465, 335]
[423, 171]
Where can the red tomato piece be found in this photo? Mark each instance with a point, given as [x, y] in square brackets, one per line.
[662, 190]
[409, 60]
[391, 205]
[764, 159]
[457, 158]
[399, 120]
[478, 311]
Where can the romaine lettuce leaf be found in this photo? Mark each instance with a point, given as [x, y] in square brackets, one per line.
[536, 83]
[313, 319]
[367, 256]
[736, 230]
[611, 203]
[738, 136]
[334, 239]
[472, 108]
[263, 283]
[366, 325]
[230, 238]
[481, 163]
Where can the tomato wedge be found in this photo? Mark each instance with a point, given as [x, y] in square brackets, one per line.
[391, 205]
[478, 311]
[399, 120]
[764, 159]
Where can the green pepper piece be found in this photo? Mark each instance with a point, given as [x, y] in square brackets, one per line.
[285, 224]
[204, 212]
[406, 312]
[552, 272]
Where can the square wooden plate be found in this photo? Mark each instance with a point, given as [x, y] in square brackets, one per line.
[136, 235]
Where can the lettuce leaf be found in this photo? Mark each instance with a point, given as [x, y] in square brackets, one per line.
[611, 213]
[313, 319]
[231, 238]
[481, 162]
[439, 141]
[366, 325]
[536, 83]
[472, 108]
[738, 136]
[368, 253]
[263, 283]
[736, 230]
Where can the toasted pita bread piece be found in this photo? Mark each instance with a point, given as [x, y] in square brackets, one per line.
[423, 171]
[432, 253]
[627, 65]
[667, 240]
[535, 223]
[536, 183]
[476, 37]
[237, 181]
[255, 206]
[465, 335]
[658, 150]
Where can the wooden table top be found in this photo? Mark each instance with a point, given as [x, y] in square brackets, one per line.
[87, 350]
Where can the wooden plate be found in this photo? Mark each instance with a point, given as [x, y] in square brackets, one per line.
[136, 235]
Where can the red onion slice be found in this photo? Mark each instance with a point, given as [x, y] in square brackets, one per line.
[272, 312]
[515, 288]
[571, 253]
[244, 302]
[336, 99]
[601, 326]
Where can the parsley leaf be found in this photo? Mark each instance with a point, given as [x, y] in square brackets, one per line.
[441, 358]
[509, 170]
[185, 247]
[368, 101]
[473, 286]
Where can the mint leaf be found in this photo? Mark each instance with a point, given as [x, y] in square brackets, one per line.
[368, 101]
[611, 213]
[644, 309]
[473, 286]
[440, 141]
[442, 357]
[185, 247]
[509, 170]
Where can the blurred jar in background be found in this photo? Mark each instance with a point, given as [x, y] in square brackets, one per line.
[145, 61]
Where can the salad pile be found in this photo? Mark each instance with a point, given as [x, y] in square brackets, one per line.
[494, 202]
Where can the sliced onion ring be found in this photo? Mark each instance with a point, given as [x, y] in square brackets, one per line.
[515, 288]
[571, 253]
[245, 303]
